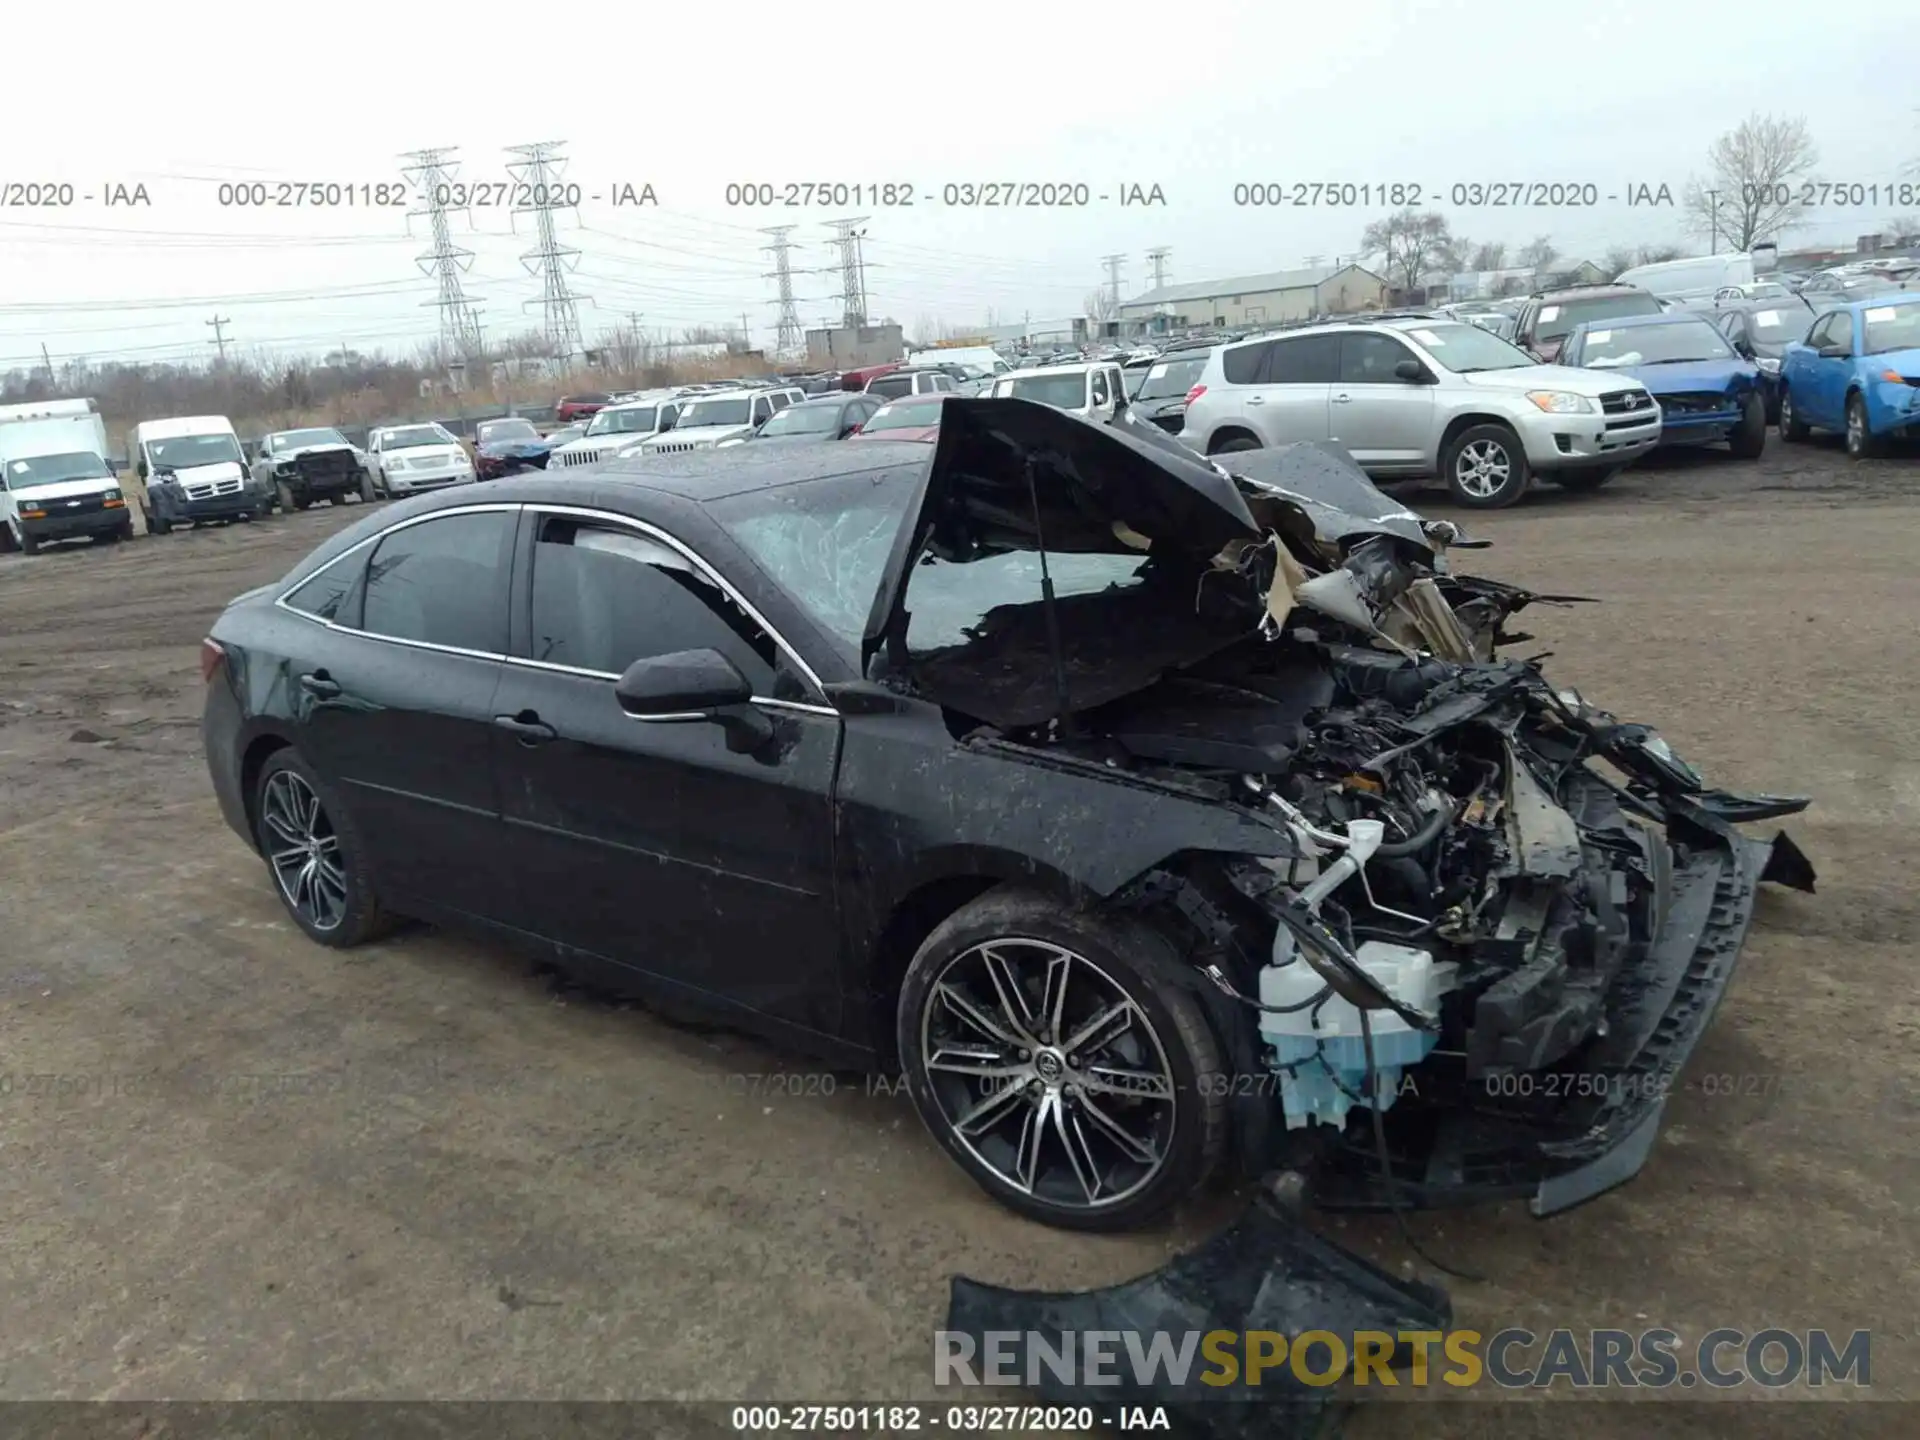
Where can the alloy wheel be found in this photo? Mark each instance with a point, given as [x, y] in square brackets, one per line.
[1048, 1072]
[1482, 469]
[303, 850]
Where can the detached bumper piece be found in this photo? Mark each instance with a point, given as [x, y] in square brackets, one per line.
[1563, 1135]
[1263, 1273]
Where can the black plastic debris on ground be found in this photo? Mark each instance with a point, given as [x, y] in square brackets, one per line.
[1262, 1273]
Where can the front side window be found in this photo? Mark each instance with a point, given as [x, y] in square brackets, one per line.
[604, 597]
[1369, 359]
[443, 582]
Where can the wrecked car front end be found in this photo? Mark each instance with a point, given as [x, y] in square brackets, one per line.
[1504, 918]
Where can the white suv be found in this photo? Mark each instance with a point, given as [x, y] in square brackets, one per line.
[1418, 396]
[716, 417]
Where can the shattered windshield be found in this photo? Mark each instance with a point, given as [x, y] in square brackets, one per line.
[826, 544]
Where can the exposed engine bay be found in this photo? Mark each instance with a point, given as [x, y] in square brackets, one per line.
[1509, 914]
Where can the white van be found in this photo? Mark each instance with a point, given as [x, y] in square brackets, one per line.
[55, 483]
[1698, 278]
[982, 358]
[1093, 391]
[193, 469]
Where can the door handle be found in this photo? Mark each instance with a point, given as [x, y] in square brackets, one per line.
[320, 685]
[1342, 398]
[1256, 400]
[531, 729]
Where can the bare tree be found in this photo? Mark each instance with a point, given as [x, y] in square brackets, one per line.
[1488, 255]
[1903, 228]
[1749, 193]
[1409, 244]
[1618, 258]
[1537, 253]
[1099, 307]
[1659, 254]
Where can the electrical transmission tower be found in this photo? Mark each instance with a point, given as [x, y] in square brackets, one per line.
[853, 270]
[1113, 264]
[1157, 262]
[446, 261]
[788, 323]
[538, 169]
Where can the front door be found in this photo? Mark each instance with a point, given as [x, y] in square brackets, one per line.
[652, 844]
[1383, 421]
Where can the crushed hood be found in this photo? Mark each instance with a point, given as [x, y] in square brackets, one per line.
[1122, 488]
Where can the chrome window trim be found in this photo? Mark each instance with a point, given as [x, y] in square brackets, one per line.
[653, 532]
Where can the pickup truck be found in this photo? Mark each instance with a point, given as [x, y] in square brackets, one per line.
[305, 466]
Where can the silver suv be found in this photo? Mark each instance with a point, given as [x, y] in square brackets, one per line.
[1418, 396]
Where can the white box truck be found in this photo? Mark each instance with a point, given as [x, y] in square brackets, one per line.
[55, 483]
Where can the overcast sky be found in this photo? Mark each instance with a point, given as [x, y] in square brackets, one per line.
[690, 100]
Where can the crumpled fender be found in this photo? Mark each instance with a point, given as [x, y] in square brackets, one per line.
[1264, 1272]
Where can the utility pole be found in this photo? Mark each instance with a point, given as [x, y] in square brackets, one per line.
[1113, 264]
[787, 325]
[432, 170]
[46, 362]
[219, 324]
[853, 277]
[746, 334]
[1713, 222]
[538, 169]
[1157, 262]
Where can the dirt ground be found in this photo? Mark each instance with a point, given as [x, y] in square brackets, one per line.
[234, 1164]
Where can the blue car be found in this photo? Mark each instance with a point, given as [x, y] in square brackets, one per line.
[1858, 372]
[1708, 393]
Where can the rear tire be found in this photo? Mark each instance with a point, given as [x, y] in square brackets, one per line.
[298, 819]
[1233, 444]
[1153, 1131]
[1862, 443]
[1792, 427]
[1485, 467]
[1749, 441]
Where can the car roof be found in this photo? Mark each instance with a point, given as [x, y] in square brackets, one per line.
[1877, 302]
[1074, 368]
[1585, 292]
[831, 397]
[740, 393]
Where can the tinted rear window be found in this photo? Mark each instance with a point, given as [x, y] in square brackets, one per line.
[443, 582]
[1558, 317]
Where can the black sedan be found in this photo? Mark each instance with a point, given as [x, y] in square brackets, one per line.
[507, 446]
[1761, 330]
[1113, 797]
[812, 422]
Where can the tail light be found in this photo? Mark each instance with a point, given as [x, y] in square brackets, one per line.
[212, 657]
[1195, 393]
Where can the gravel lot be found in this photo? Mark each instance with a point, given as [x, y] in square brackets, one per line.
[479, 1185]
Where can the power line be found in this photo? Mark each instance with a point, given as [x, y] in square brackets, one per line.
[539, 169]
[1157, 262]
[219, 324]
[445, 262]
[853, 277]
[787, 325]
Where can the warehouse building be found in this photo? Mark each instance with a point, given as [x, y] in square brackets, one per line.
[1256, 299]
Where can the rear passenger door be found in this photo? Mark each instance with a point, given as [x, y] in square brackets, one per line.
[1289, 402]
[395, 698]
[1383, 420]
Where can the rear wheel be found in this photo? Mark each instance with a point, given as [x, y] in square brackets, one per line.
[314, 854]
[1862, 443]
[1485, 467]
[1059, 1060]
[1749, 438]
[1235, 443]
[1792, 427]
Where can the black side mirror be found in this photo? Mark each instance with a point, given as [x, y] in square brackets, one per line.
[695, 685]
[1412, 371]
[141, 468]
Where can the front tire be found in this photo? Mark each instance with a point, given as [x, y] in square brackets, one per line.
[366, 488]
[315, 855]
[1056, 1056]
[1749, 441]
[1485, 467]
[1862, 443]
[1233, 444]
[1792, 427]
[29, 543]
